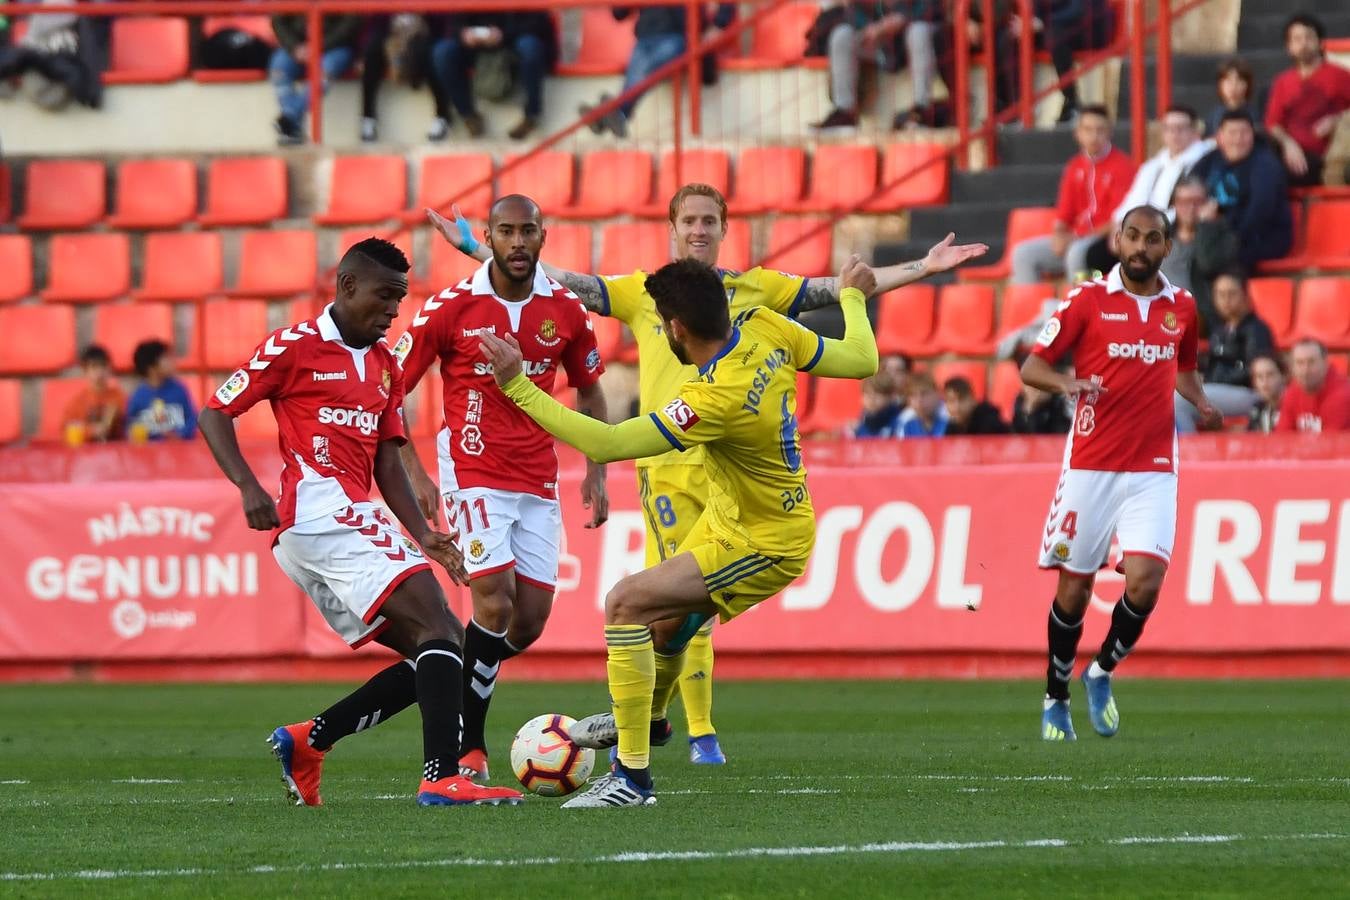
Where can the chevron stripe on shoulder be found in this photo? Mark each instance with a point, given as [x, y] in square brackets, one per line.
[278, 342]
[436, 301]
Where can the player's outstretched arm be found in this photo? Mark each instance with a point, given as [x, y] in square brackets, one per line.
[944, 256]
[856, 355]
[1038, 373]
[397, 492]
[218, 430]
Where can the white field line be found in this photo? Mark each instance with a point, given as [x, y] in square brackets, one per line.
[888, 848]
[147, 781]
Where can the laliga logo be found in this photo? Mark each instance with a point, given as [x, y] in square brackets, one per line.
[359, 418]
[1147, 353]
[128, 619]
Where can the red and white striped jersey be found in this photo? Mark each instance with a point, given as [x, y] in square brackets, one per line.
[333, 404]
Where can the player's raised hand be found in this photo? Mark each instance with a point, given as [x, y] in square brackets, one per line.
[503, 354]
[595, 496]
[443, 549]
[459, 233]
[259, 508]
[857, 274]
[947, 254]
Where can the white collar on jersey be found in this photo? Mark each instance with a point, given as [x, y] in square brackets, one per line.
[1115, 285]
[482, 283]
[328, 329]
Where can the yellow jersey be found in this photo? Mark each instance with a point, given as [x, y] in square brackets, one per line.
[660, 374]
[742, 408]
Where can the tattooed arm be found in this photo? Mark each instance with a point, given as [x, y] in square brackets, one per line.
[945, 255]
[586, 287]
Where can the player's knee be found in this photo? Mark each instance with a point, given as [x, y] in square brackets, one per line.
[1074, 595]
[525, 628]
[1143, 589]
[492, 610]
[623, 604]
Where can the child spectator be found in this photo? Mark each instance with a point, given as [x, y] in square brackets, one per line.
[95, 414]
[160, 406]
[1268, 380]
[1234, 86]
[882, 407]
[1306, 101]
[1318, 397]
[926, 416]
[965, 414]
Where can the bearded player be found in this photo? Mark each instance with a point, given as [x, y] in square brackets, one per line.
[673, 486]
[337, 393]
[1133, 337]
[498, 469]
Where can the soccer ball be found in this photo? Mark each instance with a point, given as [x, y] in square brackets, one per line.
[546, 761]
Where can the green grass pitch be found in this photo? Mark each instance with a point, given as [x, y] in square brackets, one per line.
[842, 789]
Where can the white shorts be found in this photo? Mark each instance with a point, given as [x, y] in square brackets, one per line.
[1091, 507]
[499, 530]
[349, 564]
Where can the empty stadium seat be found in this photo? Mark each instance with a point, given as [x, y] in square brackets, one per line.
[155, 193]
[457, 178]
[905, 320]
[276, 263]
[448, 267]
[568, 247]
[181, 265]
[56, 394]
[365, 189]
[234, 328]
[605, 45]
[842, 177]
[811, 256]
[119, 327]
[11, 410]
[626, 247]
[1021, 305]
[258, 26]
[735, 252]
[147, 50]
[87, 268]
[1273, 301]
[1007, 385]
[965, 319]
[548, 178]
[779, 40]
[63, 193]
[16, 267]
[836, 405]
[608, 336]
[1033, 221]
[24, 353]
[925, 187]
[767, 179]
[247, 190]
[1324, 244]
[711, 167]
[612, 182]
[1324, 311]
[973, 371]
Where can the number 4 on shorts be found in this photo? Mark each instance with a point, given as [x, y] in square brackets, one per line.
[1069, 524]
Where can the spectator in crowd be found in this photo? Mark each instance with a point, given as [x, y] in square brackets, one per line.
[485, 54]
[1306, 101]
[96, 413]
[227, 48]
[1247, 187]
[1268, 382]
[1318, 397]
[1093, 184]
[661, 37]
[1037, 412]
[925, 416]
[882, 407]
[1156, 179]
[898, 367]
[1235, 341]
[160, 406]
[400, 45]
[67, 51]
[888, 35]
[294, 56]
[1202, 246]
[1234, 86]
[1066, 27]
[965, 414]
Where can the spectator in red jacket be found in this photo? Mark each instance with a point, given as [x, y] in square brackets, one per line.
[1318, 397]
[1306, 101]
[1093, 184]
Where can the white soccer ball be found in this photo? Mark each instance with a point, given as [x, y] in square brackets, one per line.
[545, 760]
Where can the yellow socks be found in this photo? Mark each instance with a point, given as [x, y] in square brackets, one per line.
[696, 682]
[632, 679]
[668, 669]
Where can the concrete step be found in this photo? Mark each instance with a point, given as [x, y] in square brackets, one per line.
[1020, 185]
[971, 221]
[1046, 146]
[1282, 8]
[1266, 32]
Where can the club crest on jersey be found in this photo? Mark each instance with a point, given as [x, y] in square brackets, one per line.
[403, 347]
[1061, 551]
[411, 547]
[476, 550]
[1048, 333]
[386, 380]
[548, 333]
[1169, 323]
[681, 413]
[233, 386]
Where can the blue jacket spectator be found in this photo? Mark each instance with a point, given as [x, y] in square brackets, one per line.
[1248, 185]
[926, 415]
[882, 407]
[160, 407]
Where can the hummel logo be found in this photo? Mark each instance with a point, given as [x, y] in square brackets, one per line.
[475, 332]
[1116, 317]
[330, 376]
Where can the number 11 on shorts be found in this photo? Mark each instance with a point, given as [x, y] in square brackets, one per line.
[466, 511]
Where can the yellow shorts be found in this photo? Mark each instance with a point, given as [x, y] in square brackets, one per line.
[672, 499]
[736, 575]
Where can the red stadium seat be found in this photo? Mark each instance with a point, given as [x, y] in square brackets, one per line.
[276, 263]
[54, 324]
[612, 182]
[1022, 224]
[1021, 305]
[547, 178]
[234, 328]
[249, 190]
[810, 257]
[629, 246]
[973, 371]
[258, 424]
[16, 267]
[462, 178]
[836, 405]
[258, 26]
[365, 189]
[448, 267]
[155, 193]
[63, 193]
[606, 44]
[11, 410]
[767, 179]
[735, 253]
[1273, 301]
[925, 187]
[181, 265]
[1324, 311]
[56, 394]
[1340, 362]
[608, 336]
[842, 177]
[905, 320]
[965, 319]
[779, 40]
[712, 167]
[568, 247]
[1324, 242]
[87, 268]
[148, 50]
[1007, 385]
[120, 327]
